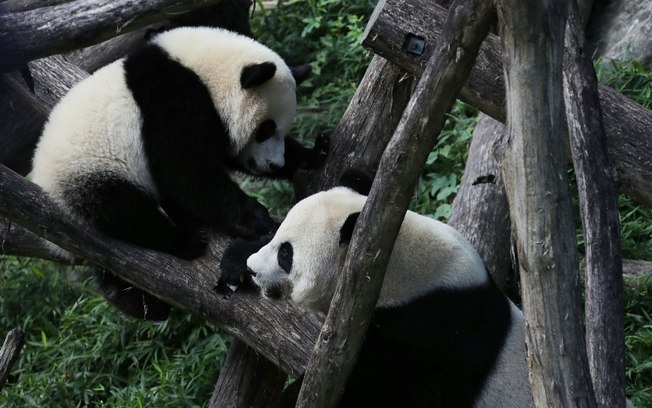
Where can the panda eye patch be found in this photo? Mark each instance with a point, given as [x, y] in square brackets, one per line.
[284, 256]
[265, 130]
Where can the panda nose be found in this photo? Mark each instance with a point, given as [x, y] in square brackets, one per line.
[251, 271]
[273, 166]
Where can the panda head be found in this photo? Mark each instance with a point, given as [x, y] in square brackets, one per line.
[251, 87]
[304, 258]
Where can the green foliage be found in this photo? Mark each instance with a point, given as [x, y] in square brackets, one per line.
[638, 328]
[631, 78]
[326, 34]
[80, 351]
[442, 175]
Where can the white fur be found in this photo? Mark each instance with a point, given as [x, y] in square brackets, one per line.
[427, 255]
[96, 126]
[218, 57]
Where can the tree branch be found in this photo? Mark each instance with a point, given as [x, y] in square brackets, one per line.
[628, 126]
[186, 285]
[247, 379]
[9, 353]
[605, 338]
[373, 239]
[32, 34]
[534, 170]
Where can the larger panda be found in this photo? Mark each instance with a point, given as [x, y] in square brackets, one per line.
[442, 334]
[144, 147]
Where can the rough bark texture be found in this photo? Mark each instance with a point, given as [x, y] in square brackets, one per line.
[373, 239]
[186, 285]
[605, 339]
[534, 170]
[365, 128]
[25, 36]
[21, 120]
[9, 353]
[247, 379]
[480, 210]
[628, 125]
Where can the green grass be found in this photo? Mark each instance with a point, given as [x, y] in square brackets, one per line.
[80, 351]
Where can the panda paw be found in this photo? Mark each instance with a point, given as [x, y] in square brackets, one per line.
[233, 267]
[254, 221]
[194, 244]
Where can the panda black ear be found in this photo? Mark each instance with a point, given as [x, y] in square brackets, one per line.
[356, 180]
[301, 72]
[257, 74]
[346, 232]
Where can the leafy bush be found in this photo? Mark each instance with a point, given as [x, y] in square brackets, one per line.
[80, 351]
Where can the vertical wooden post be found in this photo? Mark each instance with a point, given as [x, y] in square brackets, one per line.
[605, 338]
[534, 170]
[373, 239]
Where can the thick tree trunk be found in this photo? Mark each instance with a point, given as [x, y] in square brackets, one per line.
[534, 170]
[628, 125]
[605, 339]
[21, 120]
[480, 210]
[373, 239]
[247, 379]
[186, 285]
[37, 33]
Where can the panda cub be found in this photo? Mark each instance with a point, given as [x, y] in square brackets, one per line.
[442, 334]
[144, 148]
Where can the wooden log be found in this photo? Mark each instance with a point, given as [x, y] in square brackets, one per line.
[9, 353]
[16, 240]
[247, 379]
[633, 268]
[13, 6]
[534, 171]
[42, 32]
[23, 113]
[480, 210]
[183, 284]
[365, 128]
[21, 121]
[628, 125]
[373, 238]
[230, 14]
[605, 338]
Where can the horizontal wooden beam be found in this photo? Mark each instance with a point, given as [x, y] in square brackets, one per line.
[40, 32]
[628, 126]
[183, 284]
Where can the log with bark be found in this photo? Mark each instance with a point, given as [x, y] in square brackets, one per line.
[628, 126]
[41, 32]
[605, 338]
[9, 353]
[534, 170]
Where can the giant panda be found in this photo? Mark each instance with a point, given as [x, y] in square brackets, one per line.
[442, 333]
[144, 148]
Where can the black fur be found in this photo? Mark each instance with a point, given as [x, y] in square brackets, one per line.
[265, 130]
[346, 231]
[357, 181]
[284, 256]
[257, 74]
[301, 72]
[233, 267]
[186, 144]
[434, 352]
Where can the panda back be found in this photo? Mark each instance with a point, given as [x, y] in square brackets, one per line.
[95, 127]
